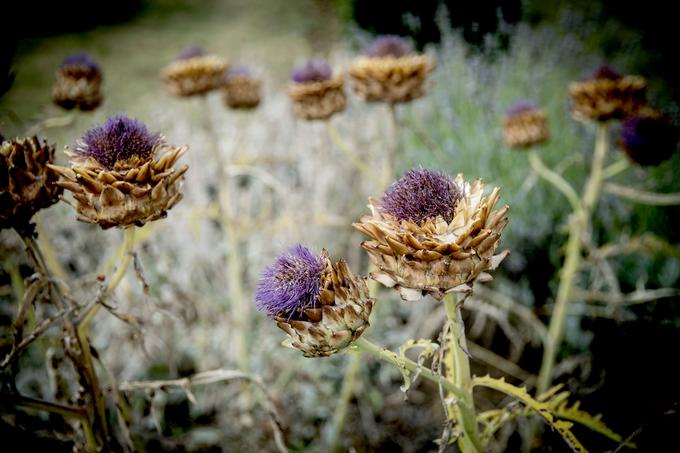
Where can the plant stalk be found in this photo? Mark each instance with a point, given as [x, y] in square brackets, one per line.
[577, 228]
[458, 372]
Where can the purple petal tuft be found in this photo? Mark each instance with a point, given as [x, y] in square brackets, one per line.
[80, 59]
[389, 45]
[312, 71]
[649, 140]
[237, 71]
[606, 71]
[421, 194]
[190, 52]
[120, 138]
[521, 106]
[291, 283]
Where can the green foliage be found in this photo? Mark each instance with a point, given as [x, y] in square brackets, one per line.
[552, 406]
[429, 349]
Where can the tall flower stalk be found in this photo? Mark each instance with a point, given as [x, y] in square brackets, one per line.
[579, 223]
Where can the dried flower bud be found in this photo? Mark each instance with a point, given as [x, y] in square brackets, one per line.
[26, 183]
[194, 72]
[388, 46]
[389, 71]
[122, 175]
[607, 95]
[433, 235]
[242, 90]
[525, 125]
[322, 307]
[315, 92]
[649, 138]
[78, 83]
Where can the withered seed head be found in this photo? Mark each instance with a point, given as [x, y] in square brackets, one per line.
[322, 307]
[78, 83]
[649, 137]
[442, 253]
[242, 90]
[194, 73]
[26, 183]
[122, 175]
[607, 95]
[315, 92]
[525, 125]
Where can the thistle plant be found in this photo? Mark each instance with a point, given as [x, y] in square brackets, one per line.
[194, 72]
[122, 175]
[78, 83]
[525, 125]
[242, 90]
[316, 93]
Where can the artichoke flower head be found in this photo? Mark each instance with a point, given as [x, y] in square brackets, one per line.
[433, 234]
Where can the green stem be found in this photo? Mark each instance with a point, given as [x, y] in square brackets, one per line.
[555, 179]
[346, 392]
[458, 372]
[404, 363]
[577, 228]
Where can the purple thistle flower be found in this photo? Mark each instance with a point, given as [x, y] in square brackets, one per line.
[606, 71]
[649, 140]
[521, 106]
[421, 194]
[312, 71]
[237, 71]
[80, 59]
[190, 52]
[388, 45]
[291, 283]
[120, 138]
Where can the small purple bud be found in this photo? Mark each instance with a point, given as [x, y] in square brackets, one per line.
[312, 71]
[190, 52]
[120, 138]
[388, 46]
[521, 106]
[649, 140]
[606, 71]
[291, 283]
[237, 71]
[80, 59]
[422, 194]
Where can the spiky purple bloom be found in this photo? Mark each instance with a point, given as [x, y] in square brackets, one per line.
[80, 59]
[421, 194]
[190, 52]
[291, 283]
[120, 138]
[649, 140]
[388, 46]
[521, 106]
[606, 71]
[237, 71]
[312, 71]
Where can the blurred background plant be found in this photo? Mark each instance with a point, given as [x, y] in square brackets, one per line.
[289, 184]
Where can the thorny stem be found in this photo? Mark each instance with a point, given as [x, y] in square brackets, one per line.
[577, 228]
[240, 307]
[404, 363]
[458, 372]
